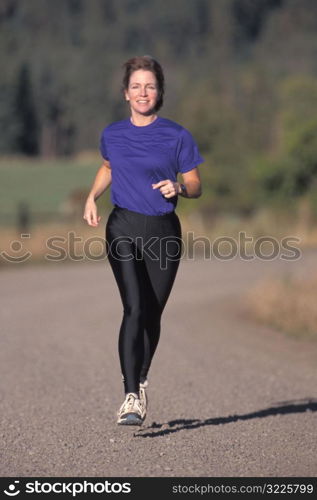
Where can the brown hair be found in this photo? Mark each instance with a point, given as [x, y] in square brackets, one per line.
[147, 63]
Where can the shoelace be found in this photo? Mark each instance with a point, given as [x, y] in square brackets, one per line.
[128, 404]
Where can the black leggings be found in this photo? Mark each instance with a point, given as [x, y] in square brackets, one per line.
[144, 253]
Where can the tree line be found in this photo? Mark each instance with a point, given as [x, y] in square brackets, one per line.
[240, 74]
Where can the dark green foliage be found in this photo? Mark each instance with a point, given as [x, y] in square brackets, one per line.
[240, 75]
[27, 133]
[251, 15]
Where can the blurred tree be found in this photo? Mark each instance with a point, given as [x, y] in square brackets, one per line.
[223, 61]
[27, 134]
[8, 120]
[250, 17]
[298, 139]
[292, 169]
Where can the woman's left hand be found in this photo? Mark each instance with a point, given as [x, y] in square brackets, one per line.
[168, 188]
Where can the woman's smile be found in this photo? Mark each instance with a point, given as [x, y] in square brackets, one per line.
[142, 92]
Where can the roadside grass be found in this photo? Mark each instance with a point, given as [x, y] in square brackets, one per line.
[52, 243]
[69, 238]
[287, 304]
[55, 192]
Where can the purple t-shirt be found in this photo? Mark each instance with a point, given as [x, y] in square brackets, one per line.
[142, 156]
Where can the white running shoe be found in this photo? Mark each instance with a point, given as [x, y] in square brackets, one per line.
[143, 395]
[131, 411]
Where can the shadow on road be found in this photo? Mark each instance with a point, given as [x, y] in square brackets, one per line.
[281, 408]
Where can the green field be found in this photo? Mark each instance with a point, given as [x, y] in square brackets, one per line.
[44, 185]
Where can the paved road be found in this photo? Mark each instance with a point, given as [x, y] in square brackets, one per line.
[227, 397]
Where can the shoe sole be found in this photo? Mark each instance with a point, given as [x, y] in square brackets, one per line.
[130, 419]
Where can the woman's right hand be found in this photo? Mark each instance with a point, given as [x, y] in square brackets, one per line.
[90, 213]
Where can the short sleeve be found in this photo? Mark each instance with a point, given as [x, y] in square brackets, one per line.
[103, 147]
[188, 156]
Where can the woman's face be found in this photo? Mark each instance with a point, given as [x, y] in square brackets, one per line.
[142, 92]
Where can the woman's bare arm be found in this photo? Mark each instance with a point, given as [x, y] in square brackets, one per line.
[101, 183]
[192, 184]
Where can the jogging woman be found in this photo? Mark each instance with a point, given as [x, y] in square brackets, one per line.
[142, 156]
